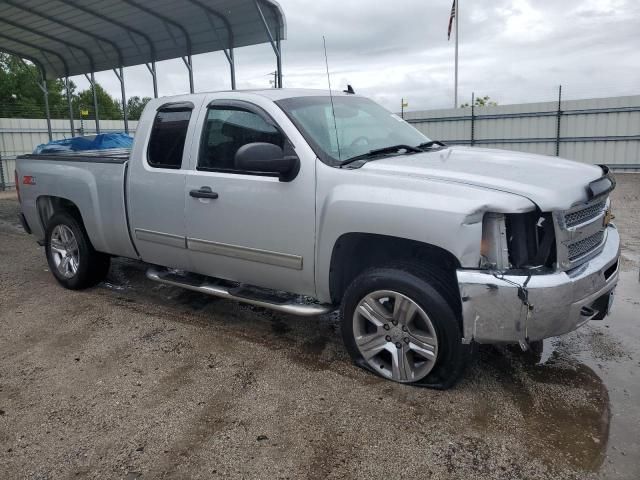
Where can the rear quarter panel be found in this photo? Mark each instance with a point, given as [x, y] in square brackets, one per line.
[97, 189]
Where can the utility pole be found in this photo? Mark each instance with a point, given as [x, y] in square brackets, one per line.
[83, 113]
[403, 104]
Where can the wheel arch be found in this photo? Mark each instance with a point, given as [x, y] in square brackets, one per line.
[354, 253]
[49, 205]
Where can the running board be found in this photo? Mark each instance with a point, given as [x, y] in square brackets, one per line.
[252, 295]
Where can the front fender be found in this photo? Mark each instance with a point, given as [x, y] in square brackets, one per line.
[442, 214]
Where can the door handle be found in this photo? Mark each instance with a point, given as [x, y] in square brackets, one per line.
[203, 192]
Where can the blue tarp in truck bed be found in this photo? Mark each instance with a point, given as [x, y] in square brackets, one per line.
[104, 141]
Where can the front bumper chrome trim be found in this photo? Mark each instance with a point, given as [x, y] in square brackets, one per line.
[499, 308]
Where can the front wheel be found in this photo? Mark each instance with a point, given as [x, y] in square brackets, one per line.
[71, 257]
[400, 323]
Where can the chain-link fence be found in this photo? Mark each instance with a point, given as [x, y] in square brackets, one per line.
[21, 135]
[7, 167]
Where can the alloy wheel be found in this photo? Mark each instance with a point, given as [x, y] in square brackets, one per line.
[395, 336]
[65, 251]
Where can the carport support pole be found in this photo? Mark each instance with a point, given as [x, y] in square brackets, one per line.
[70, 103]
[45, 92]
[152, 71]
[92, 81]
[279, 59]
[275, 44]
[43, 86]
[188, 63]
[120, 74]
[232, 67]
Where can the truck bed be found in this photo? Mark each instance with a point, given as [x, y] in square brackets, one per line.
[93, 180]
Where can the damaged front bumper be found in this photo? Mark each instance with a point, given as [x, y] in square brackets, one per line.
[500, 308]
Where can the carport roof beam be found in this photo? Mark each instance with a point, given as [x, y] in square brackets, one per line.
[228, 52]
[70, 46]
[170, 30]
[93, 36]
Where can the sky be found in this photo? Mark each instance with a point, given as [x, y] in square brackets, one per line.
[515, 51]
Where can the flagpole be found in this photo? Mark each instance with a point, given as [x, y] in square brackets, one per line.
[455, 91]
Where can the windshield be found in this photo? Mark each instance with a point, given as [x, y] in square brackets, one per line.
[361, 125]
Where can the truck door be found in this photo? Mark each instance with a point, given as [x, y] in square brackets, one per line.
[156, 183]
[257, 230]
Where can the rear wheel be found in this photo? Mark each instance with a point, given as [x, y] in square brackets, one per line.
[71, 257]
[400, 324]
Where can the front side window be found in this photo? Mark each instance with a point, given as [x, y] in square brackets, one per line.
[360, 126]
[229, 128]
[168, 136]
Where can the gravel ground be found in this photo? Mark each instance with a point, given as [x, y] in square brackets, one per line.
[133, 380]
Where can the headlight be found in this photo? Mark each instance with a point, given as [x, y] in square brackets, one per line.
[517, 240]
[494, 250]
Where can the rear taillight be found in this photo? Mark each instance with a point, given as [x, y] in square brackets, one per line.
[15, 173]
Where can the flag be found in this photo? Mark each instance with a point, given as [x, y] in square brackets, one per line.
[451, 17]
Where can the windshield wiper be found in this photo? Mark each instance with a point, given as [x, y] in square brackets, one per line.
[431, 144]
[382, 151]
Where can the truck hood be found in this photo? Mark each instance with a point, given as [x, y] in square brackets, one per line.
[552, 183]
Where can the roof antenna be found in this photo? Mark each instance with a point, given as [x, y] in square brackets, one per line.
[350, 90]
[333, 111]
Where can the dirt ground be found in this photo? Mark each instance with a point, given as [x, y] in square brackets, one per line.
[133, 380]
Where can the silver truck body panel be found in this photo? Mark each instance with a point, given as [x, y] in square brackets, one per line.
[494, 312]
[443, 214]
[156, 196]
[97, 189]
[259, 231]
[552, 183]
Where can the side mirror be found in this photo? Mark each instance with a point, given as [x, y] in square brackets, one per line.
[267, 158]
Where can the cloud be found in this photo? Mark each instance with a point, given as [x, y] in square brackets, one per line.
[513, 50]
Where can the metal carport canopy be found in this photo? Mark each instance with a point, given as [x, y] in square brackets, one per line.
[80, 37]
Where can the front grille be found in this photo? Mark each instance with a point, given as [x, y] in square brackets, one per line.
[584, 246]
[581, 216]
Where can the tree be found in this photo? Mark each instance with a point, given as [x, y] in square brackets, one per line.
[20, 96]
[135, 105]
[108, 107]
[481, 102]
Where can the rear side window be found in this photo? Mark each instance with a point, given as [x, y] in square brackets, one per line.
[168, 135]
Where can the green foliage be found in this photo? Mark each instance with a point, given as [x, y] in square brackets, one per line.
[21, 97]
[135, 105]
[481, 102]
[108, 107]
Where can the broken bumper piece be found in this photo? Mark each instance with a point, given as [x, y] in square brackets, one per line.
[499, 308]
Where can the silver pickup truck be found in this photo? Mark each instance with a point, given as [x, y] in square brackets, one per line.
[304, 203]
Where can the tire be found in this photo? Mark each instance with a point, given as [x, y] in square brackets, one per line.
[72, 259]
[428, 341]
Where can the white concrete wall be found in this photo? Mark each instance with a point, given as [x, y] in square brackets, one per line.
[437, 125]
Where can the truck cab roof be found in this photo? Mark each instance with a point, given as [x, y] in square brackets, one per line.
[273, 94]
